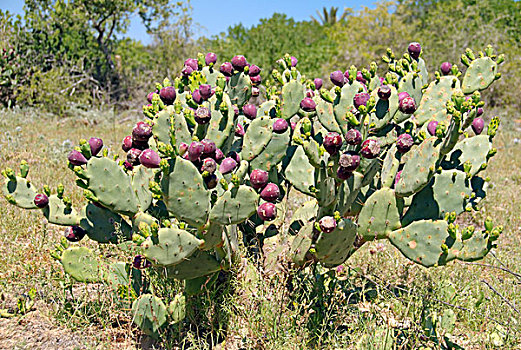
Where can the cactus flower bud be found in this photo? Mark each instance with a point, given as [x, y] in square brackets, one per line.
[446, 68]
[167, 95]
[149, 158]
[384, 92]
[332, 142]
[318, 83]
[478, 124]
[404, 143]
[250, 111]
[349, 160]
[96, 144]
[210, 58]
[414, 50]
[353, 137]
[280, 126]
[308, 105]
[74, 233]
[77, 158]
[267, 211]
[327, 224]
[370, 149]
[270, 193]
[239, 62]
[258, 178]
[41, 200]
[337, 78]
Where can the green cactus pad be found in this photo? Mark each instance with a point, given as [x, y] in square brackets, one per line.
[292, 94]
[433, 102]
[213, 236]
[266, 108]
[104, 226]
[177, 308]
[221, 125]
[198, 265]
[81, 264]
[389, 167]
[162, 125]
[239, 89]
[335, 247]
[422, 67]
[141, 178]
[379, 216]
[419, 168]
[473, 149]
[149, 313]
[235, 206]
[412, 84]
[185, 195]
[273, 153]
[180, 130]
[60, 214]
[211, 75]
[479, 75]
[384, 109]
[326, 189]
[474, 248]
[304, 214]
[112, 186]
[348, 192]
[257, 137]
[301, 244]
[326, 115]
[344, 104]
[21, 191]
[170, 247]
[300, 173]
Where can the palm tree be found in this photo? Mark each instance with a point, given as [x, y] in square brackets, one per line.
[327, 18]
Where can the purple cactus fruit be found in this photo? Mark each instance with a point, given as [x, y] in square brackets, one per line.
[186, 71]
[293, 125]
[477, 125]
[353, 137]
[308, 105]
[74, 233]
[267, 211]
[280, 126]
[219, 155]
[149, 158]
[370, 149]
[404, 143]
[183, 147]
[318, 83]
[270, 193]
[337, 78]
[206, 91]
[209, 165]
[41, 200]
[96, 144]
[141, 145]
[250, 111]
[361, 99]
[479, 112]
[255, 91]
[414, 50]
[211, 181]
[235, 110]
[403, 95]
[407, 105]
[239, 62]
[76, 158]
[127, 165]
[202, 115]
[150, 96]
[360, 78]
[209, 147]
[141, 132]
[192, 63]
[239, 130]
[195, 150]
[140, 262]
[254, 70]
[343, 173]
[226, 69]
[210, 58]
[167, 95]
[234, 155]
[294, 61]
[431, 127]
[310, 93]
[196, 96]
[327, 224]
[446, 68]
[258, 178]
[256, 80]
[384, 92]
[398, 176]
[349, 160]
[227, 165]
[133, 156]
[332, 142]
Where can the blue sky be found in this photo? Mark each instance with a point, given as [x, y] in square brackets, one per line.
[216, 15]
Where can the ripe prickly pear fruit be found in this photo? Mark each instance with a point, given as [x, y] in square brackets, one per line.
[77, 158]
[370, 149]
[480, 111]
[219, 155]
[196, 96]
[210, 58]
[397, 178]
[310, 93]
[209, 148]
[195, 150]
[403, 95]
[206, 91]
[140, 262]
[361, 99]
[250, 111]
[332, 142]
[270, 193]
[431, 127]
[150, 96]
[384, 92]
[407, 105]
[41, 200]
[211, 181]
[294, 61]
[255, 91]
[280, 126]
[343, 173]
[239, 62]
[96, 144]
[353, 137]
[267, 211]
[477, 125]
[186, 71]
[349, 160]
[308, 105]
[127, 165]
[202, 115]
[226, 69]
[209, 165]
[141, 132]
[167, 95]
[254, 70]
[133, 156]
[318, 83]
[337, 78]
[234, 155]
[445, 68]
[404, 143]
[256, 80]
[74, 233]
[126, 145]
[414, 50]
[227, 165]
[360, 78]
[239, 130]
[149, 158]
[192, 63]
[327, 224]
[258, 178]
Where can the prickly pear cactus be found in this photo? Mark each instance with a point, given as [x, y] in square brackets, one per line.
[380, 156]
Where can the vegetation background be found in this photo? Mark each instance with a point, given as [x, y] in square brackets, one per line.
[67, 73]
